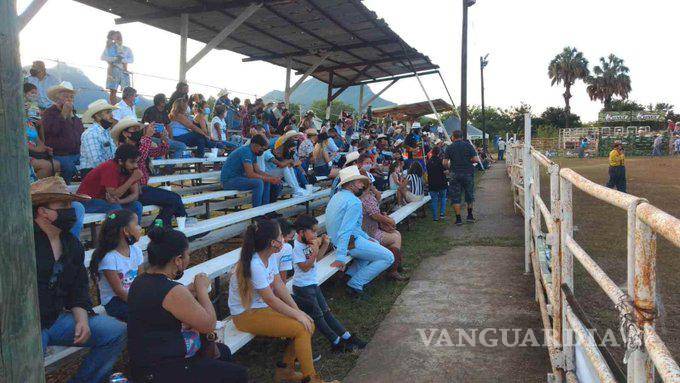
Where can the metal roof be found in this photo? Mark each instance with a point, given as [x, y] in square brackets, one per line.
[364, 49]
[414, 110]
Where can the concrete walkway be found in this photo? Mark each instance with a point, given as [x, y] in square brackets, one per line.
[468, 289]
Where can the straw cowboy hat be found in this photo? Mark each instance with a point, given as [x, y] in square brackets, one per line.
[351, 173]
[54, 91]
[381, 136]
[309, 113]
[312, 132]
[123, 124]
[351, 157]
[53, 189]
[283, 139]
[96, 107]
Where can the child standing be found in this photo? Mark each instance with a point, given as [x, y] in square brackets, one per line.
[116, 261]
[308, 247]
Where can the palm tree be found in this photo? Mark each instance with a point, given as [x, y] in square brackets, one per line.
[566, 68]
[611, 78]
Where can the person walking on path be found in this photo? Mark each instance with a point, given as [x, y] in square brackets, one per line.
[617, 168]
[656, 147]
[501, 149]
[460, 158]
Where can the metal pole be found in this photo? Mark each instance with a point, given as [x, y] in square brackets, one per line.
[429, 101]
[21, 358]
[183, 35]
[482, 64]
[446, 88]
[528, 200]
[463, 73]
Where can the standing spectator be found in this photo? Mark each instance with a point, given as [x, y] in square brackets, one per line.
[414, 146]
[223, 98]
[436, 179]
[129, 131]
[617, 168]
[118, 57]
[63, 128]
[181, 92]
[676, 145]
[117, 261]
[126, 106]
[460, 159]
[164, 316]
[241, 172]
[501, 149]
[656, 146]
[344, 218]
[96, 145]
[158, 116]
[63, 286]
[184, 130]
[114, 184]
[582, 146]
[43, 81]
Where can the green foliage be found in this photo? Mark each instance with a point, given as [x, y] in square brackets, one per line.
[337, 106]
[610, 79]
[625, 106]
[496, 120]
[546, 131]
[556, 117]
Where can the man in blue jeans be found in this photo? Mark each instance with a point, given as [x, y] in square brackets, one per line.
[344, 218]
[114, 185]
[460, 158]
[66, 317]
[240, 171]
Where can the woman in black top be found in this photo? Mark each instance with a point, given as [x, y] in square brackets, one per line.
[437, 184]
[158, 306]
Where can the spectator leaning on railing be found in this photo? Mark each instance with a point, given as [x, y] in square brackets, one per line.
[63, 128]
[118, 57]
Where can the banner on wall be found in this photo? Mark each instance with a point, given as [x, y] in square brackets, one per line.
[632, 116]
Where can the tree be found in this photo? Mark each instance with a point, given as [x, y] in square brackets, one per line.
[625, 106]
[496, 120]
[516, 115]
[556, 117]
[337, 106]
[566, 68]
[611, 79]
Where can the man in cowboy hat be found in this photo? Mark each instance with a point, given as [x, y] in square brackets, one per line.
[344, 216]
[43, 81]
[63, 284]
[350, 160]
[96, 144]
[62, 128]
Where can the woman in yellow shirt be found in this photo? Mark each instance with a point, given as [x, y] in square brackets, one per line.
[617, 168]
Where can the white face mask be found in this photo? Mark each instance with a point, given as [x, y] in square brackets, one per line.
[367, 167]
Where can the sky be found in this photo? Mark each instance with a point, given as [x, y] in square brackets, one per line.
[520, 36]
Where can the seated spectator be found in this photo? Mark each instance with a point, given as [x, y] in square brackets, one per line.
[201, 111]
[379, 225]
[126, 106]
[279, 162]
[337, 139]
[114, 184]
[63, 129]
[43, 81]
[96, 144]
[350, 159]
[185, 131]
[158, 116]
[398, 182]
[344, 217]
[31, 97]
[320, 157]
[284, 258]
[130, 132]
[118, 57]
[307, 250]
[223, 98]
[437, 183]
[181, 92]
[117, 261]
[40, 155]
[218, 127]
[306, 148]
[241, 172]
[164, 318]
[63, 285]
[260, 303]
[414, 178]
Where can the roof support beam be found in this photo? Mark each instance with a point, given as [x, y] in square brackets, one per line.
[29, 12]
[396, 77]
[224, 33]
[434, 110]
[183, 36]
[351, 82]
[168, 13]
[328, 95]
[309, 72]
[375, 96]
[338, 48]
[286, 94]
[372, 62]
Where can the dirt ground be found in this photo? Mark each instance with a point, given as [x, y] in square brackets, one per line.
[601, 231]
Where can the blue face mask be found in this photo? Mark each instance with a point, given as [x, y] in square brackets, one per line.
[136, 102]
[206, 111]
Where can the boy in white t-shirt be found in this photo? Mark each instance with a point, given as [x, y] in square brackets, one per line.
[285, 256]
[308, 247]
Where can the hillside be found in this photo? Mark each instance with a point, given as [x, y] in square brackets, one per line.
[313, 89]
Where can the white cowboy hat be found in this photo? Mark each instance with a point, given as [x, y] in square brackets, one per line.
[312, 132]
[94, 108]
[351, 173]
[351, 157]
[64, 86]
[123, 124]
[381, 136]
[282, 140]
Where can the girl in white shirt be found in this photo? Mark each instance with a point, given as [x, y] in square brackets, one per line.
[116, 261]
[261, 304]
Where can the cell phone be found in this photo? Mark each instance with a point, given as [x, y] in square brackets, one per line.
[159, 128]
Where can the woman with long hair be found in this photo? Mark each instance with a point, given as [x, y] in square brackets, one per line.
[437, 184]
[184, 129]
[261, 304]
[117, 261]
[320, 157]
[163, 313]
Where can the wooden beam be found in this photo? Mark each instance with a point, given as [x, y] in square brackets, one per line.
[168, 13]
[317, 51]
[29, 12]
[375, 96]
[183, 35]
[369, 62]
[286, 94]
[351, 82]
[409, 75]
[309, 72]
[21, 357]
[252, 8]
[328, 95]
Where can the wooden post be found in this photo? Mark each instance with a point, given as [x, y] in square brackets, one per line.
[20, 351]
[328, 96]
[183, 35]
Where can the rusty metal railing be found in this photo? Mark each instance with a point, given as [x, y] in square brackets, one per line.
[550, 254]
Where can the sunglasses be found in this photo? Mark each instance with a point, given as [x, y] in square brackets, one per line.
[57, 269]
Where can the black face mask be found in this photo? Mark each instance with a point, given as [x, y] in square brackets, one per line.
[106, 124]
[136, 136]
[130, 239]
[66, 218]
[359, 192]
